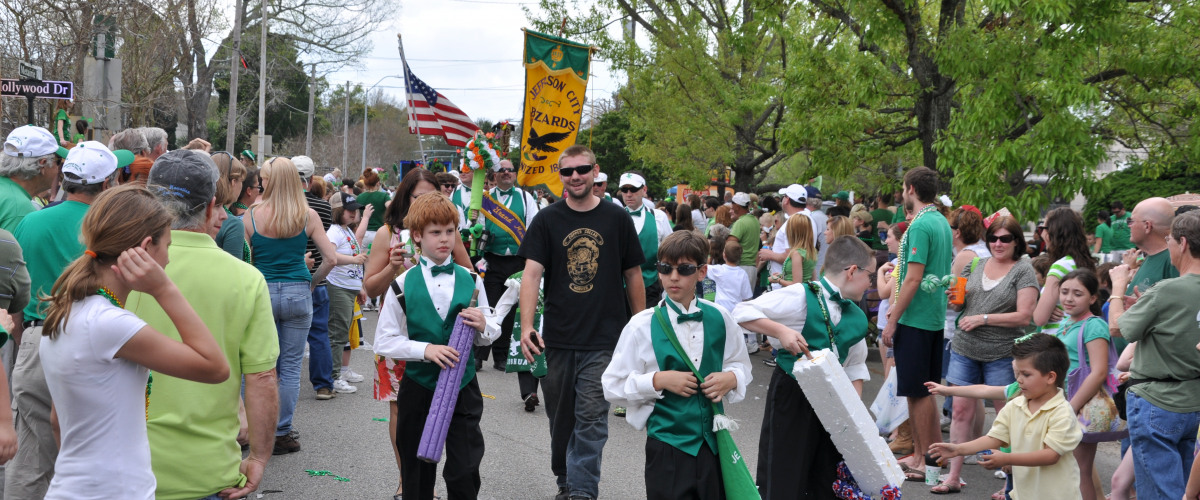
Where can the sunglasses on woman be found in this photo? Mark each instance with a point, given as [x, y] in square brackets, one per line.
[1007, 238]
[684, 269]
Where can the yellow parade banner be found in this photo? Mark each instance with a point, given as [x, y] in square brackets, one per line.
[556, 74]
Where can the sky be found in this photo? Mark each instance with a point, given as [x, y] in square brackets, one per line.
[469, 50]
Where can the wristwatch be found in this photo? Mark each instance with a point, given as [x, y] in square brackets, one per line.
[985, 321]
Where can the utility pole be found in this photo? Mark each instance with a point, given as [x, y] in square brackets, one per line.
[312, 86]
[346, 130]
[262, 87]
[235, 60]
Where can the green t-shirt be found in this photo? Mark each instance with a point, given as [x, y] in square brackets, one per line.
[231, 297]
[1120, 233]
[1104, 233]
[1068, 333]
[51, 239]
[746, 229]
[377, 199]
[15, 204]
[927, 241]
[898, 215]
[1165, 326]
[1154, 268]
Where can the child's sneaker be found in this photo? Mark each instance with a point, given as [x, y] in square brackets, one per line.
[350, 376]
[343, 387]
[751, 346]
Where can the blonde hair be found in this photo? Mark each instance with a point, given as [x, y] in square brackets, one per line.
[800, 235]
[108, 229]
[284, 195]
[230, 171]
[841, 226]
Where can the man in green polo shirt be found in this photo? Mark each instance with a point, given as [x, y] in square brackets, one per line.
[745, 230]
[917, 317]
[51, 237]
[1120, 227]
[193, 427]
[27, 168]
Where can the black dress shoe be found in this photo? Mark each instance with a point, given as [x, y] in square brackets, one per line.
[531, 402]
[478, 365]
[563, 493]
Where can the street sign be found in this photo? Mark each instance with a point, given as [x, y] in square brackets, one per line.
[29, 72]
[37, 88]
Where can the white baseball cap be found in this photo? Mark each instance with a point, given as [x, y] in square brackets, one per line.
[741, 198]
[91, 162]
[796, 192]
[632, 179]
[305, 165]
[601, 177]
[28, 140]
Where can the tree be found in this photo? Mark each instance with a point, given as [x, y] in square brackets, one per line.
[610, 139]
[287, 92]
[1004, 90]
[703, 95]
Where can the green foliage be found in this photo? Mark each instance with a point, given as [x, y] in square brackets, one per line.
[1133, 185]
[610, 140]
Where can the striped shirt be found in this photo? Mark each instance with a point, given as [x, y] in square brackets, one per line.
[326, 213]
[1060, 269]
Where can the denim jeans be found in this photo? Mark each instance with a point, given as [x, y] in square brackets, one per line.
[320, 361]
[578, 415]
[291, 303]
[1163, 443]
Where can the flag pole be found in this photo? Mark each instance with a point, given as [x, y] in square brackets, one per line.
[408, 97]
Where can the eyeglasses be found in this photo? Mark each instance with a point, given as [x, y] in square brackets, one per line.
[506, 170]
[684, 269]
[630, 189]
[581, 170]
[449, 185]
[1007, 238]
[597, 184]
[954, 228]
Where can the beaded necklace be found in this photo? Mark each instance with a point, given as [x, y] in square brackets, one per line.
[903, 257]
[107, 293]
[240, 205]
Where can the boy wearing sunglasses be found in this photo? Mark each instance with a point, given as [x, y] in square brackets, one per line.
[796, 456]
[650, 376]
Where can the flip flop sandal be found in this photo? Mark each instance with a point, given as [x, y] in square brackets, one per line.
[911, 474]
[947, 491]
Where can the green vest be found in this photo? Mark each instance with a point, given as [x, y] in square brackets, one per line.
[424, 325]
[649, 240]
[499, 241]
[849, 331]
[686, 423]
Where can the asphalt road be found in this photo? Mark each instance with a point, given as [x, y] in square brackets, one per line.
[342, 436]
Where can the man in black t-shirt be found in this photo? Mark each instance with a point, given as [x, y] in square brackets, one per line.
[589, 253]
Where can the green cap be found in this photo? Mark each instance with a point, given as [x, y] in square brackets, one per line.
[62, 152]
[124, 157]
[842, 195]
[250, 154]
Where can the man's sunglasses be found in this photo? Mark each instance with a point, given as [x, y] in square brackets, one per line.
[581, 170]
[629, 189]
[506, 170]
[684, 269]
[1008, 238]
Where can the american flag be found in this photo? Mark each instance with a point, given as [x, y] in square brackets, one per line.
[435, 114]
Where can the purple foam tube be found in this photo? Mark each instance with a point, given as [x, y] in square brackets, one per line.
[445, 394]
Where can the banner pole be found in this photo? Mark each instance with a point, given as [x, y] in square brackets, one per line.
[408, 98]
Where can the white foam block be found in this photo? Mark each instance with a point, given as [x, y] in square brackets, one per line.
[844, 416]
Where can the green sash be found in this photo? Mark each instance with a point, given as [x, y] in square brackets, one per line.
[648, 238]
[820, 332]
[504, 240]
[424, 324]
[686, 423]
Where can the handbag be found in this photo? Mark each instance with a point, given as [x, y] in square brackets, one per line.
[739, 484]
[1099, 418]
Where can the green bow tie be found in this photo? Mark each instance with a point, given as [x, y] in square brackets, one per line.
[508, 191]
[446, 269]
[835, 296]
[634, 213]
[681, 318]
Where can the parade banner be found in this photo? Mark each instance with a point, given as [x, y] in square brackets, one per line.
[556, 74]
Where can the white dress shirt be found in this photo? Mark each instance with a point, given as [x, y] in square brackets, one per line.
[787, 306]
[391, 332]
[629, 379]
[661, 223]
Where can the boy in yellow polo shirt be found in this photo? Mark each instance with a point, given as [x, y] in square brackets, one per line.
[1038, 425]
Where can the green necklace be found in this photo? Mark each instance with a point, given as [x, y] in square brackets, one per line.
[112, 297]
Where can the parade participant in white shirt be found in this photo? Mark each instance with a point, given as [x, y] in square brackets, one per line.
[652, 226]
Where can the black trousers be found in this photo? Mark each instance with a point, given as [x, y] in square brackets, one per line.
[796, 456]
[672, 474]
[527, 383]
[499, 268]
[464, 442]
